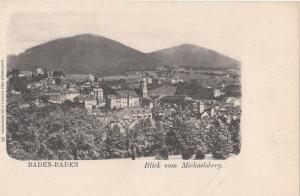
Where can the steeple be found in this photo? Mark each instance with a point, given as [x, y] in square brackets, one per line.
[144, 86]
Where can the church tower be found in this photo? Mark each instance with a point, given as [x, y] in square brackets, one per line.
[144, 86]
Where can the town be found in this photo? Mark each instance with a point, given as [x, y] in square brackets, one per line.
[205, 98]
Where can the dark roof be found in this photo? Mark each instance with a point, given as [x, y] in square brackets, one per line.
[180, 97]
[173, 99]
[81, 98]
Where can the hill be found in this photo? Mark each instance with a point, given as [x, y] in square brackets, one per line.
[188, 54]
[80, 54]
[96, 54]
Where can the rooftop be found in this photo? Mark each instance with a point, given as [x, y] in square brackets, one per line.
[82, 98]
[125, 93]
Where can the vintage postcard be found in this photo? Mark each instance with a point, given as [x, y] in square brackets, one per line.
[149, 98]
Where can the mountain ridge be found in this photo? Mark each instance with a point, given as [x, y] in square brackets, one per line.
[89, 53]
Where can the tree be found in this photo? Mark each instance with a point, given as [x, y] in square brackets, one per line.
[18, 84]
[181, 134]
[199, 153]
[163, 153]
[115, 144]
[234, 129]
[222, 144]
[58, 74]
[58, 81]
[51, 133]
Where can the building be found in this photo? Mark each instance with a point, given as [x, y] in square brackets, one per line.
[174, 99]
[60, 97]
[90, 103]
[39, 71]
[149, 80]
[123, 99]
[116, 102]
[73, 87]
[175, 80]
[126, 116]
[207, 113]
[92, 78]
[50, 73]
[85, 88]
[26, 74]
[101, 103]
[14, 92]
[194, 106]
[234, 101]
[136, 114]
[198, 106]
[97, 93]
[144, 86]
[217, 92]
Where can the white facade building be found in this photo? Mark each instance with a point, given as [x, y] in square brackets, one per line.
[123, 99]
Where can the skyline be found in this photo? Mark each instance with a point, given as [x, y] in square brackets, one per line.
[143, 29]
[90, 34]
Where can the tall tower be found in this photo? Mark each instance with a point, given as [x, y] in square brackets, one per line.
[144, 86]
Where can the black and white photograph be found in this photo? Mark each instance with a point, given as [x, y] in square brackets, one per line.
[144, 98]
[123, 86]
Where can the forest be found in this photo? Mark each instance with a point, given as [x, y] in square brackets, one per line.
[52, 132]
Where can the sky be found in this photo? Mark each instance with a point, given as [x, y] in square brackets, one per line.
[144, 28]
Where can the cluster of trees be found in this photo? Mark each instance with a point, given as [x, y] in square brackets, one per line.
[14, 72]
[194, 90]
[18, 84]
[212, 136]
[176, 135]
[142, 140]
[233, 90]
[49, 132]
[57, 75]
